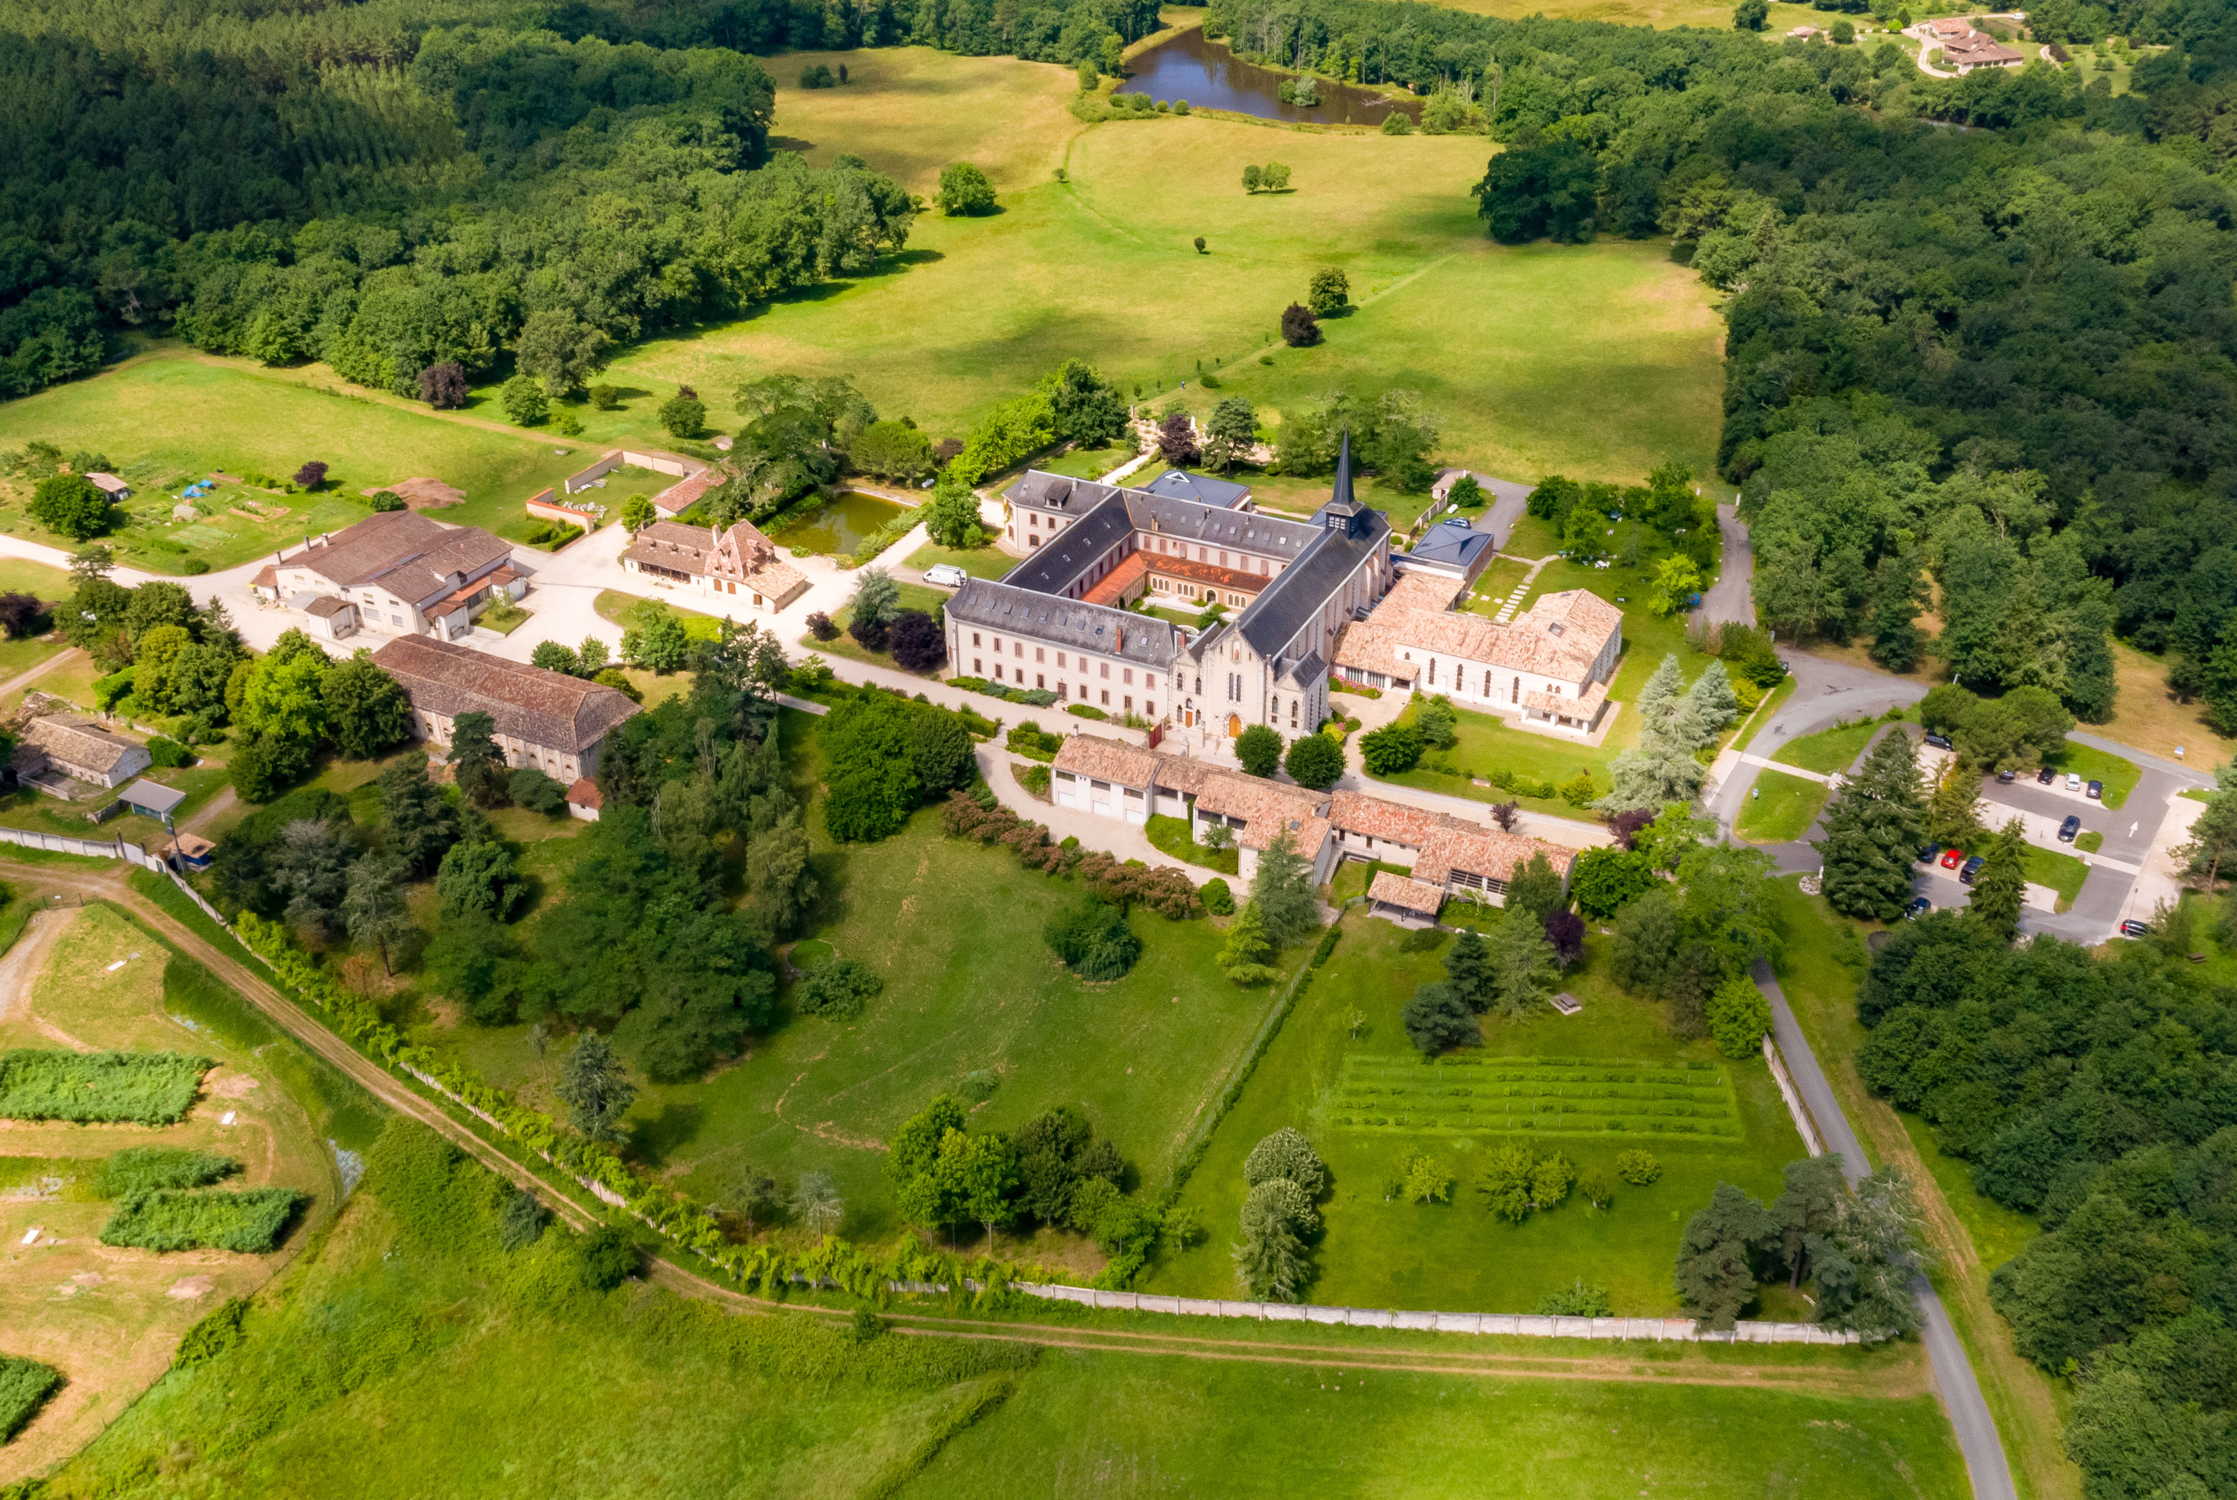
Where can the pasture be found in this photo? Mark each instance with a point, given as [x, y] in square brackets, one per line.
[1606, 1080]
[171, 415]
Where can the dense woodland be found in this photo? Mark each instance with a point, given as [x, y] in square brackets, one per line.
[1989, 369]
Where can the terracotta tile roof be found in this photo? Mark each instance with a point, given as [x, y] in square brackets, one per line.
[583, 792]
[401, 551]
[1104, 759]
[1585, 705]
[1188, 568]
[1365, 646]
[548, 709]
[1376, 817]
[1306, 835]
[1407, 895]
[741, 554]
[1112, 586]
[1232, 794]
[681, 495]
[1560, 636]
[267, 577]
[1486, 852]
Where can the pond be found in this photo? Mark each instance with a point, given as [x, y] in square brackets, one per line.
[1194, 67]
[837, 526]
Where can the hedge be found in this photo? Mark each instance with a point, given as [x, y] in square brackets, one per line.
[251, 1222]
[25, 1385]
[141, 1088]
[144, 1169]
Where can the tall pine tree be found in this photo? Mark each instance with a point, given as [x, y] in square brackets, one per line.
[1873, 831]
[1282, 890]
[2000, 885]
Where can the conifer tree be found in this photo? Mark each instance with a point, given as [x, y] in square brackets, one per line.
[1660, 700]
[1709, 706]
[2000, 885]
[1282, 890]
[1872, 833]
[1950, 818]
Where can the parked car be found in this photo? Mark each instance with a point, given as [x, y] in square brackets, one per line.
[1972, 868]
[2073, 782]
[2068, 829]
[1952, 858]
[1919, 907]
[946, 575]
[2095, 791]
[1927, 853]
[2134, 928]
[1940, 742]
[2006, 778]
[2045, 776]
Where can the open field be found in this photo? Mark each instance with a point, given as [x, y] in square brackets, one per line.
[1097, 267]
[955, 930]
[1096, 1426]
[1820, 972]
[171, 415]
[1780, 808]
[1379, 1252]
[109, 1317]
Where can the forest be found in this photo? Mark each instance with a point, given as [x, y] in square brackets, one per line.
[2101, 1095]
[1993, 369]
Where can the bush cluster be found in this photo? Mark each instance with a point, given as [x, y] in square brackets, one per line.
[1165, 891]
[144, 1169]
[141, 1088]
[252, 1221]
[25, 1385]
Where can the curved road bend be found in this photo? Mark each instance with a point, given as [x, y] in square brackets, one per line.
[1977, 1437]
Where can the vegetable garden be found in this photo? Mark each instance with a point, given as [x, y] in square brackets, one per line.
[1566, 1096]
[140, 1088]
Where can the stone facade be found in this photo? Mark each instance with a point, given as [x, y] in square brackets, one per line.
[396, 573]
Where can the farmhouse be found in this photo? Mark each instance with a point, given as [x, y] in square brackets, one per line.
[739, 565]
[57, 745]
[1977, 50]
[548, 720]
[1444, 854]
[1060, 622]
[395, 573]
[1548, 668]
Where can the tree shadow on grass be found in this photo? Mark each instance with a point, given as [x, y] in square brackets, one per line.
[658, 1137]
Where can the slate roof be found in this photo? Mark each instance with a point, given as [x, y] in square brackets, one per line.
[1066, 622]
[1271, 621]
[1181, 484]
[401, 551]
[548, 709]
[1452, 543]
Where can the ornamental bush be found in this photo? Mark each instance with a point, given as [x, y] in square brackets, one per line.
[1093, 940]
[1287, 1153]
[1639, 1168]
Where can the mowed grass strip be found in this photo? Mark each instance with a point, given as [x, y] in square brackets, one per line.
[252, 1221]
[1102, 1424]
[141, 1088]
[1829, 750]
[25, 1385]
[1780, 808]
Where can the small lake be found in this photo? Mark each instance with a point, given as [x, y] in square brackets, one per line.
[1194, 67]
[837, 526]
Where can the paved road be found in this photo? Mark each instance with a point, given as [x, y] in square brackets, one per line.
[1731, 599]
[1502, 510]
[1977, 1437]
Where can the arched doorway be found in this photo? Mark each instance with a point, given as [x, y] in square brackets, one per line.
[1234, 725]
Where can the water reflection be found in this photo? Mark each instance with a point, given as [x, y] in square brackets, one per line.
[1194, 67]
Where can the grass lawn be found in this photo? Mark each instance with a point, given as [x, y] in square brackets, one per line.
[1097, 1424]
[1171, 836]
[977, 309]
[1381, 1253]
[172, 415]
[25, 808]
[1092, 463]
[2118, 772]
[979, 562]
[1829, 751]
[2063, 873]
[1780, 808]
[921, 596]
[955, 929]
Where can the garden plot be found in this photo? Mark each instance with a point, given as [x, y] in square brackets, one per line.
[1545, 1096]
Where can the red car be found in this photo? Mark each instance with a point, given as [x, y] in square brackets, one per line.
[1952, 858]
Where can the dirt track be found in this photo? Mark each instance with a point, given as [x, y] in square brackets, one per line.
[1592, 1362]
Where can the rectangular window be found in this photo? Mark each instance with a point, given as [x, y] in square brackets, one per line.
[1150, 709]
[1129, 703]
[1106, 697]
[1039, 655]
[974, 638]
[1433, 671]
[998, 671]
[1106, 672]
[1060, 660]
[1128, 674]
[978, 667]
[1017, 649]
[1063, 688]
[1039, 681]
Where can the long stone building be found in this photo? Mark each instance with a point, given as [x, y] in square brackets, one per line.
[1059, 620]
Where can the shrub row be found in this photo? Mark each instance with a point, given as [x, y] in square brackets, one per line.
[1164, 890]
[252, 1221]
[1030, 697]
[885, 536]
[144, 1169]
[1613, 1092]
[141, 1088]
[1533, 1125]
[25, 1385]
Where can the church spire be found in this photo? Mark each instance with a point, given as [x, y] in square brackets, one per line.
[1341, 496]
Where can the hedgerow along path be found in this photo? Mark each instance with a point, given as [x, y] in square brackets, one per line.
[1845, 1375]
